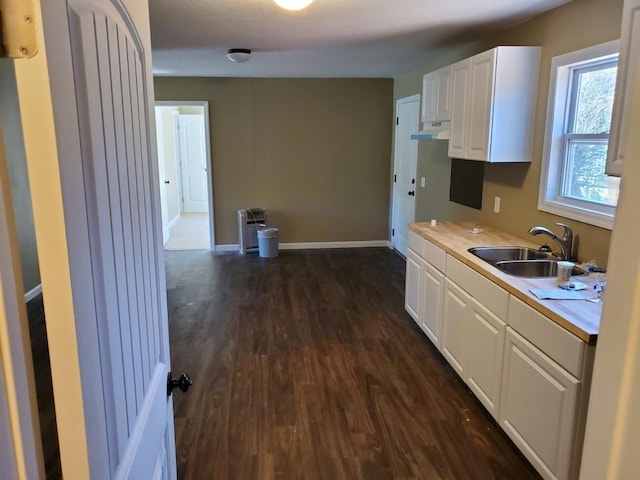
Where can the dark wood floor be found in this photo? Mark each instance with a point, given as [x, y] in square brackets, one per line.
[44, 388]
[307, 367]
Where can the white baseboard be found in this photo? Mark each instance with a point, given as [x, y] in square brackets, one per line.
[173, 221]
[227, 248]
[33, 293]
[314, 245]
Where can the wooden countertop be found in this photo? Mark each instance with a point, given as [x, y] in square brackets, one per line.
[580, 317]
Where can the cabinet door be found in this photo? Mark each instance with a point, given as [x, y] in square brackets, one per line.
[480, 105]
[454, 325]
[443, 94]
[412, 287]
[431, 315]
[627, 68]
[459, 104]
[485, 351]
[538, 406]
[429, 97]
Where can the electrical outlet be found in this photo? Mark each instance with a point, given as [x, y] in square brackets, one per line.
[496, 205]
[423, 182]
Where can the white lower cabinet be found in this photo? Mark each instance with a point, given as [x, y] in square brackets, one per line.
[432, 283]
[412, 288]
[531, 374]
[538, 406]
[485, 352]
[455, 317]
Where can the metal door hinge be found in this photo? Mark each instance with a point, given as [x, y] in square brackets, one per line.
[17, 29]
[397, 120]
[393, 232]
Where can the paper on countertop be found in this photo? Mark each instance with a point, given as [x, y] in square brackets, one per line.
[556, 294]
[573, 286]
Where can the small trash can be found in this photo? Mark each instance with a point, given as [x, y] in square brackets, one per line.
[268, 242]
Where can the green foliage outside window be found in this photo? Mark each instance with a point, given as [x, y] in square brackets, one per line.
[584, 176]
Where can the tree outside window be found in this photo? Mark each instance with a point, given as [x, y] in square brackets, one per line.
[589, 124]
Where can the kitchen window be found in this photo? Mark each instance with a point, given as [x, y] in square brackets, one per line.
[573, 183]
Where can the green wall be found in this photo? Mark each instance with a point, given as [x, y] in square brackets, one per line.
[579, 24]
[315, 152]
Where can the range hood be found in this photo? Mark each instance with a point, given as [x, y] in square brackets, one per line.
[432, 131]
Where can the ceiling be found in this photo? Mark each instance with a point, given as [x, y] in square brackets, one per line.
[331, 38]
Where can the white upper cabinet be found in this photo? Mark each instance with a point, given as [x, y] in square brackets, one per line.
[493, 99]
[443, 96]
[627, 68]
[436, 96]
[459, 106]
[429, 92]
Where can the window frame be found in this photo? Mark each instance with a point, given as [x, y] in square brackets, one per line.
[556, 144]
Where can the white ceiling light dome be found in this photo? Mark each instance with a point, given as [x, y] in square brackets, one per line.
[239, 55]
[293, 4]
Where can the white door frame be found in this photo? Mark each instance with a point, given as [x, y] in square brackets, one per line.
[207, 133]
[401, 101]
[162, 177]
[20, 444]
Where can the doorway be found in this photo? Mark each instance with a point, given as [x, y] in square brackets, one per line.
[184, 165]
[404, 171]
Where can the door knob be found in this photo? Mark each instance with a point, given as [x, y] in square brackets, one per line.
[412, 193]
[183, 382]
[167, 182]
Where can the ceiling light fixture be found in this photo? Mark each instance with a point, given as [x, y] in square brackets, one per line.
[293, 4]
[239, 55]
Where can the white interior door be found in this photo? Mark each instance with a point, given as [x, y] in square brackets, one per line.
[405, 161]
[193, 163]
[90, 148]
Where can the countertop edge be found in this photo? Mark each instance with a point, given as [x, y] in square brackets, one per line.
[486, 271]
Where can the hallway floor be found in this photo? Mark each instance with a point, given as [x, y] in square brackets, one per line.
[190, 232]
[306, 366]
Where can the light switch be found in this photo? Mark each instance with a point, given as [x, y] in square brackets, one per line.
[423, 182]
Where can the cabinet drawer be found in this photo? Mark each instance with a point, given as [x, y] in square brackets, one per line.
[434, 255]
[495, 298]
[427, 250]
[561, 345]
[415, 242]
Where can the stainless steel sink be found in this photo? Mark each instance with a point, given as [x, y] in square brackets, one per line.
[533, 268]
[494, 255]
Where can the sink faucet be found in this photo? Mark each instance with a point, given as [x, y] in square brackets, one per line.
[565, 243]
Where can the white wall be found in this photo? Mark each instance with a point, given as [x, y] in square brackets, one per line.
[613, 426]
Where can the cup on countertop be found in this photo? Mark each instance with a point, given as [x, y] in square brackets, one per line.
[564, 270]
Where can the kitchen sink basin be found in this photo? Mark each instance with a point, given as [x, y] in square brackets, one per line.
[494, 255]
[533, 268]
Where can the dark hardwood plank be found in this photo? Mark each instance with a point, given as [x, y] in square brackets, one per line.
[306, 366]
[44, 388]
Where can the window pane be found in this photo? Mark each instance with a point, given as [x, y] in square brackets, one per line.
[594, 99]
[584, 177]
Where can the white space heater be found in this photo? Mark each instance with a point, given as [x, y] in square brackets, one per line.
[249, 221]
